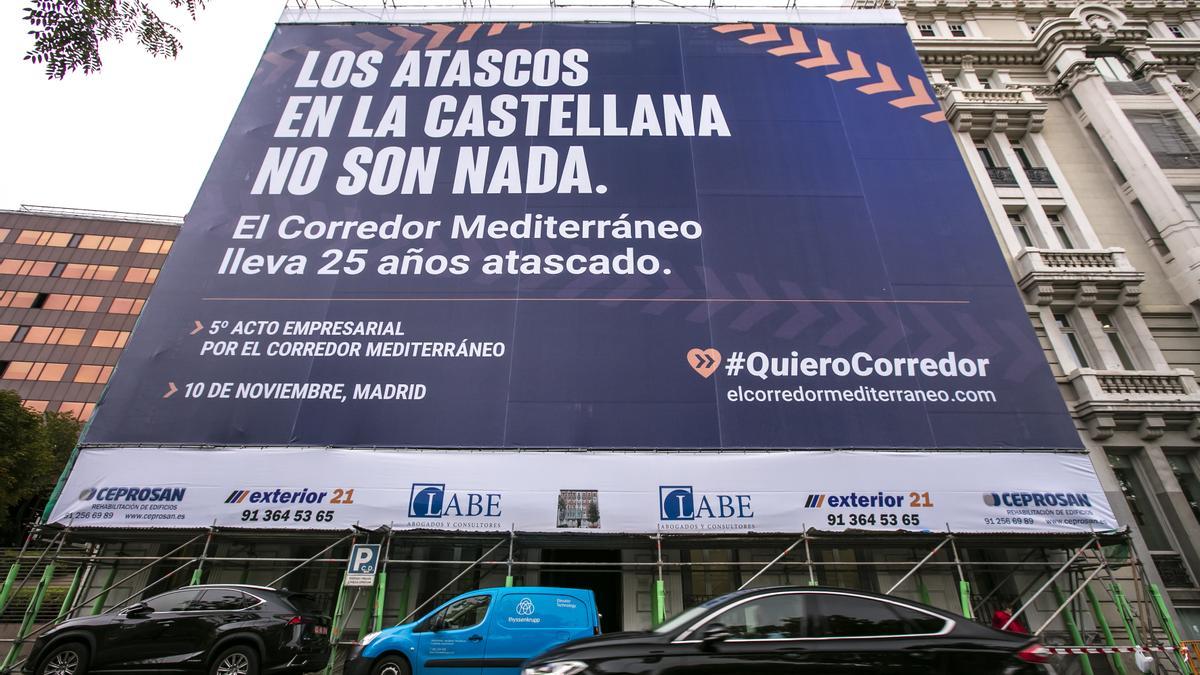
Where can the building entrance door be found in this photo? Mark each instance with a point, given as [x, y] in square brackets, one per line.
[604, 581]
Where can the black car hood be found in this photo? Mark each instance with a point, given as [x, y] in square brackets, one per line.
[567, 649]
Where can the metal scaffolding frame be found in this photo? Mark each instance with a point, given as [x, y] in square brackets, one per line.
[1145, 622]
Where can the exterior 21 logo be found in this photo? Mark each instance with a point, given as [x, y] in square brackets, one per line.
[432, 500]
[681, 502]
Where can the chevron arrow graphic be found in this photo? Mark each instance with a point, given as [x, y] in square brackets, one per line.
[856, 71]
[797, 46]
[440, 33]
[733, 27]
[827, 57]
[411, 38]
[770, 34]
[887, 82]
[920, 96]
[469, 32]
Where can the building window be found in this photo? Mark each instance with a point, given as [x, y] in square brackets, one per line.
[26, 268]
[957, 30]
[1022, 230]
[1114, 68]
[141, 275]
[111, 338]
[159, 246]
[1176, 30]
[99, 243]
[1023, 157]
[984, 83]
[1114, 338]
[15, 299]
[45, 335]
[93, 374]
[1193, 202]
[126, 306]
[69, 303]
[34, 370]
[986, 155]
[1068, 332]
[1167, 138]
[43, 238]
[4, 232]
[78, 409]
[36, 406]
[93, 272]
[1060, 230]
[1138, 499]
[1189, 484]
[926, 30]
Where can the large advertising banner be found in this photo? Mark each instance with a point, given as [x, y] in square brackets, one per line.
[613, 492]
[592, 235]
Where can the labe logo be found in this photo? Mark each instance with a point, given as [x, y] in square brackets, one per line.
[525, 607]
[433, 500]
[133, 494]
[681, 502]
[1021, 499]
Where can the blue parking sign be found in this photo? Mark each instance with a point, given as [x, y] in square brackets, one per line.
[364, 561]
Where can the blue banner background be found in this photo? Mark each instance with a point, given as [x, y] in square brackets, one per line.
[853, 218]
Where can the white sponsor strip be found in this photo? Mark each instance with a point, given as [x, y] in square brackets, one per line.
[621, 492]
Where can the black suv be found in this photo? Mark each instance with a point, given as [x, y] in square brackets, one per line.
[225, 629]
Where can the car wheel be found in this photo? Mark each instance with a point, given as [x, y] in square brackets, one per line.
[67, 659]
[239, 660]
[391, 665]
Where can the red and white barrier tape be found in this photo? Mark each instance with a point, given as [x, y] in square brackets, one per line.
[1111, 650]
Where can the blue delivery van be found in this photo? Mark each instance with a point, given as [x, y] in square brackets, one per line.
[491, 631]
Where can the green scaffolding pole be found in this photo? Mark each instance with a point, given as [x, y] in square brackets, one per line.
[1068, 616]
[102, 598]
[69, 599]
[1125, 611]
[1169, 624]
[380, 597]
[13, 571]
[35, 604]
[1102, 621]
[964, 595]
[335, 632]
[658, 607]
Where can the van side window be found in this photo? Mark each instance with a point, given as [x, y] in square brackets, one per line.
[465, 613]
[542, 610]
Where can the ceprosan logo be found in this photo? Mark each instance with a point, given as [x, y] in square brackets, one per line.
[133, 494]
[1022, 499]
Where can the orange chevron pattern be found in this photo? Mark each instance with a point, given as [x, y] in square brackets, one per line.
[856, 71]
[827, 57]
[797, 46]
[439, 33]
[769, 34]
[917, 94]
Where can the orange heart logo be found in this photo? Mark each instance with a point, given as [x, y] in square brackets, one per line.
[704, 361]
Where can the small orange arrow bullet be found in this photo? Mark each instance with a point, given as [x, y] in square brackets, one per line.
[171, 389]
[199, 327]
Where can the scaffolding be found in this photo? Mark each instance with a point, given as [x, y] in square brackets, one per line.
[1087, 591]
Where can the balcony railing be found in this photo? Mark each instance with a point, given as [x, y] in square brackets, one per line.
[1131, 88]
[1079, 259]
[1001, 175]
[1141, 384]
[1178, 160]
[1172, 570]
[1040, 176]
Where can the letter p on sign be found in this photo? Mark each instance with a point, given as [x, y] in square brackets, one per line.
[364, 560]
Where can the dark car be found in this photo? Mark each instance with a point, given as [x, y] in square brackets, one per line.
[802, 631]
[216, 629]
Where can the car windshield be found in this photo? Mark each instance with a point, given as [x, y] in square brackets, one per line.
[682, 619]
